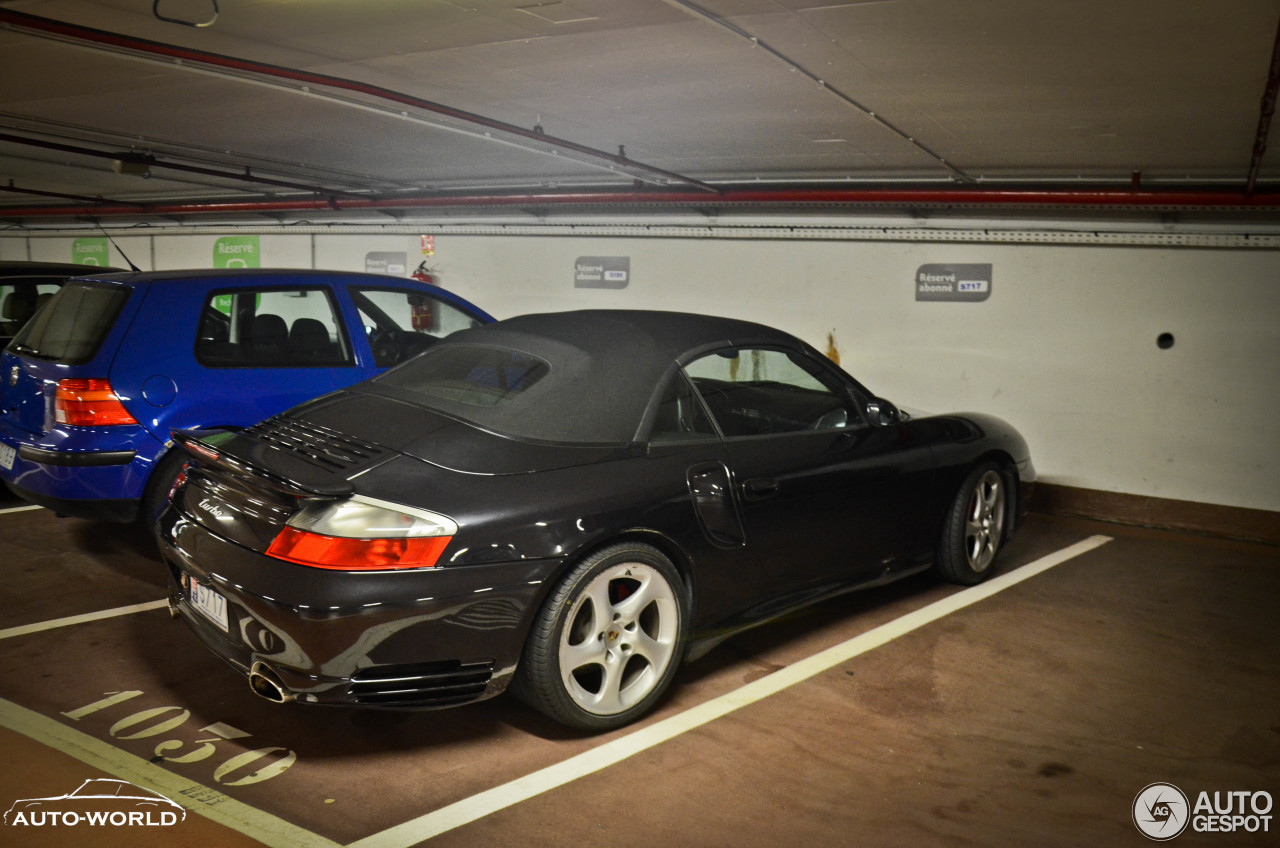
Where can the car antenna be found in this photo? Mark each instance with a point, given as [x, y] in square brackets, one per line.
[134, 268]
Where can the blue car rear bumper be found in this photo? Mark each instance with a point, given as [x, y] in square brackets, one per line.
[98, 473]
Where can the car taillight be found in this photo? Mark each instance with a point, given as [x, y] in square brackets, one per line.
[177, 483]
[363, 534]
[89, 403]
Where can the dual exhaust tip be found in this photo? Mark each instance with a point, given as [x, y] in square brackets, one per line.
[265, 683]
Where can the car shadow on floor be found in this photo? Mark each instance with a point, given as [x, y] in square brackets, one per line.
[129, 549]
[201, 680]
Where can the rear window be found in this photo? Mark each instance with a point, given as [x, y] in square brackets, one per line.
[471, 375]
[74, 323]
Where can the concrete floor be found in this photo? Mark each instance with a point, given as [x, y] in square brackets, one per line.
[1031, 717]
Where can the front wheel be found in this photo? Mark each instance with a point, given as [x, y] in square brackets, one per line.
[606, 644]
[974, 526]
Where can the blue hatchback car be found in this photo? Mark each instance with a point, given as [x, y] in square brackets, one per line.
[91, 388]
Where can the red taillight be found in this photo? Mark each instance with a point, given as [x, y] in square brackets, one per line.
[177, 483]
[89, 403]
[318, 551]
[201, 450]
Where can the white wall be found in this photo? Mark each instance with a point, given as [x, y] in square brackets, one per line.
[1064, 348]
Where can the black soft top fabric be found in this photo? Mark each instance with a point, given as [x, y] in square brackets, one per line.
[606, 366]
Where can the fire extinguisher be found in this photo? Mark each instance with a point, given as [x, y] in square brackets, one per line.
[423, 273]
[422, 309]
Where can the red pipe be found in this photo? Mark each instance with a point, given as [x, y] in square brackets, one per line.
[704, 194]
[1119, 198]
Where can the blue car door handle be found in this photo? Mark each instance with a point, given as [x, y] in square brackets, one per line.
[759, 488]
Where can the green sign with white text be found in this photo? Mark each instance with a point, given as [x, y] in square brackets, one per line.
[237, 252]
[90, 251]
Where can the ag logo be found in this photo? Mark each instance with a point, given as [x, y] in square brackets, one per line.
[1161, 811]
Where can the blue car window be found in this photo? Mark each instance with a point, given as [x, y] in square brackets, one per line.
[271, 328]
[74, 324]
[401, 323]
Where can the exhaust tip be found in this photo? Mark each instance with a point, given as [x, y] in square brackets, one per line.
[265, 683]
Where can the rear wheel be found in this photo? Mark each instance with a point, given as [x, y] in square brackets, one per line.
[974, 526]
[608, 640]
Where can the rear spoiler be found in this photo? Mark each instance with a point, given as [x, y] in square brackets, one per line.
[220, 449]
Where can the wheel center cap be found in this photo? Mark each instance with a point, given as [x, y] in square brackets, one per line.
[612, 635]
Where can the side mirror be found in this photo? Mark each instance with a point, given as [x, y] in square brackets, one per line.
[881, 413]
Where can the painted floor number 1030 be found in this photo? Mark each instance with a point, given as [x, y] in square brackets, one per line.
[159, 721]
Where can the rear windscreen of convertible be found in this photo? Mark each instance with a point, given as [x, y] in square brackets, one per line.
[475, 375]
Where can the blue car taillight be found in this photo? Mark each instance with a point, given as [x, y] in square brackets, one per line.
[89, 403]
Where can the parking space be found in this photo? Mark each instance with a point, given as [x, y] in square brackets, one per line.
[1032, 715]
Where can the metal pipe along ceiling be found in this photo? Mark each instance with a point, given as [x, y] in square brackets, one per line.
[693, 193]
[727, 199]
[530, 139]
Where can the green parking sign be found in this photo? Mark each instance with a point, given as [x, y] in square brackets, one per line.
[90, 251]
[237, 252]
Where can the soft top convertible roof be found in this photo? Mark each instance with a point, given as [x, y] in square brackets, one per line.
[604, 367]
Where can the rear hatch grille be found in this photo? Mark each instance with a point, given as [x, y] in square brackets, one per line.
[315, 445]
[436, 684]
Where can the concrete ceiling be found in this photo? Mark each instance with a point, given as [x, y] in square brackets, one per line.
[282, 106]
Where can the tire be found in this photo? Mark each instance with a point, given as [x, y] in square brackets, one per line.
[159, 484]
[607, 641]
[974, 526]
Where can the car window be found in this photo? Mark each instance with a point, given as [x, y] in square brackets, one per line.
[19, 301]
[271, 328]
[401, 323]
[680, 415]
[74, 323]
[759, 391]
[474, 375]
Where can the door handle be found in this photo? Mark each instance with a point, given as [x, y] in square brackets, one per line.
[759, 489]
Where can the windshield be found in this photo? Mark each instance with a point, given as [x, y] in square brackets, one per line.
[72, 326]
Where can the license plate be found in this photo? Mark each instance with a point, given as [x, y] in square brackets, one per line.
[209, 604]
[7, 455]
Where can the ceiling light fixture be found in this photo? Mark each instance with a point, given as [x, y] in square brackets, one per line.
[132, 164]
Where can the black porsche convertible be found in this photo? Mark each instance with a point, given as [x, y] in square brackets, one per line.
[568, 505]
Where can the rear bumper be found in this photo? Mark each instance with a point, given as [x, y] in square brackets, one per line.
[422, 639]
[94, 473]
[84, 459]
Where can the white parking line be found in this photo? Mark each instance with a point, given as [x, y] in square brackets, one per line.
[278, 833]
[264, 827]
[521, 789]
[24, 629]
[27, 508]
